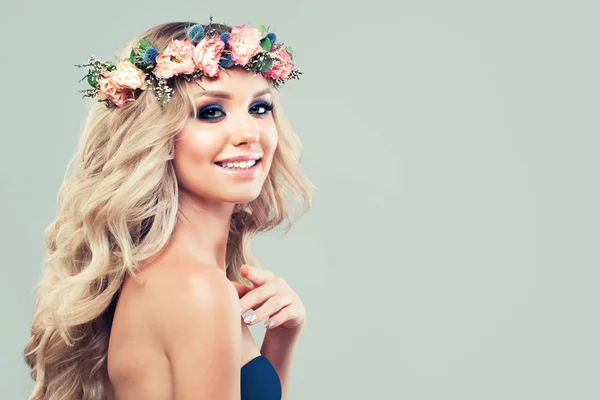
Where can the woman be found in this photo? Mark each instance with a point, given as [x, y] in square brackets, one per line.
[146, 280]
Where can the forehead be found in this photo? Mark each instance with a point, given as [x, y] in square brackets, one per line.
[235, 80]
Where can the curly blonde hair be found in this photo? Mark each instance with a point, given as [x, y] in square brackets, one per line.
[118, 208]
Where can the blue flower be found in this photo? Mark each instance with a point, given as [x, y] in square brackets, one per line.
[272, 37]
[150, 55]
[195, 33]
[225, 37]
[226, 60]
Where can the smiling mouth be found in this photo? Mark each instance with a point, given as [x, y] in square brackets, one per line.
[239, 165]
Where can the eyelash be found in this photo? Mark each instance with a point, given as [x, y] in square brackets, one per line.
[202, 113]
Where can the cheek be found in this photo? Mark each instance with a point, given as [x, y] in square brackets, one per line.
[195, 149]
[199, 143]
[269, 139]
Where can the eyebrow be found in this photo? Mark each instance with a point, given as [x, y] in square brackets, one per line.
[226, 95]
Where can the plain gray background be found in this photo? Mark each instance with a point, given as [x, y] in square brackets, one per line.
[452, 251]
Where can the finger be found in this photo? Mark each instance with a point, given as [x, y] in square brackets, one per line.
[258, 276]
[271, 307]
[280, 317]
[241, 289]
[254, 298]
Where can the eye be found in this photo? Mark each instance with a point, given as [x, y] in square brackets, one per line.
[260, 108]
[213, 111]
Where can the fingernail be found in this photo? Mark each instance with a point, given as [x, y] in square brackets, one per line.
[270, 324]
[250, 318]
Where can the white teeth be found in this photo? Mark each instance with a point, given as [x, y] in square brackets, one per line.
[238, 165]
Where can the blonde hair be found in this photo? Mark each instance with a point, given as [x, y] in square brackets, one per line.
[119, 208]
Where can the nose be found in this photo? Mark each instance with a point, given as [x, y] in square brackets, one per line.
[245, 129]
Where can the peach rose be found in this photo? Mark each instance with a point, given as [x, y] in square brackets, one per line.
[244, 43]
[176, 60]
[107, 87]
[207, 55]
[282, 65]
[109, 90]
[127, 75]
[122, 96]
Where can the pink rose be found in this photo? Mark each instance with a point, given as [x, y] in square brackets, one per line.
[127, 75]
[109, 90]
[207, 55]
[282, 65]
[107, 86]
[244, 43]
[176, 60]
[119, 85]
[122, 96]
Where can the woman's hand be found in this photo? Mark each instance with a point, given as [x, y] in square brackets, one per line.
[269, 297]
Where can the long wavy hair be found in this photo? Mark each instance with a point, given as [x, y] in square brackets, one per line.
[117, 208]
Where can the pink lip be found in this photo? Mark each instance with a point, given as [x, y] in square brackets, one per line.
[242, 173]
[241, 158]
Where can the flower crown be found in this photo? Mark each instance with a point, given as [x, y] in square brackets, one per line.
[253, 48]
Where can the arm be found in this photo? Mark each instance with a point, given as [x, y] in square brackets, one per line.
[272, 298]
[279, 346]
[198, 325]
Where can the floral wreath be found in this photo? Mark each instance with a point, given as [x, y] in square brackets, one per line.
[254, 48]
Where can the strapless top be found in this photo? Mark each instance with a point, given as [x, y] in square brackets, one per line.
[259, 380]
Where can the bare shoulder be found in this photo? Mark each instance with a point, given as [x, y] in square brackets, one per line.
[195, 317]
[190, 291]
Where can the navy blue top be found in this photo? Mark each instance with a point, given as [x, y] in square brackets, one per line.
[260, 380]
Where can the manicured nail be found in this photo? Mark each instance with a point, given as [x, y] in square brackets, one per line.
[270, 324]
[250, 318]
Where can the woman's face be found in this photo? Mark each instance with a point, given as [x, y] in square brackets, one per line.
[225, 154]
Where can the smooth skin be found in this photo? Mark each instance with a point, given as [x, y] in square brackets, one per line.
[179, 333]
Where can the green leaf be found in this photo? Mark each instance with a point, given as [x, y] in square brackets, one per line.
[266, 44]
[263, 29]
[92, 82]
[131, 55]
[144, 44]
[266, 65]
[290, 51]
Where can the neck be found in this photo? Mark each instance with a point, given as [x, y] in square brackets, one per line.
[202, 228]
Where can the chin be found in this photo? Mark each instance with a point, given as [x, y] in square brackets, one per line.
[240, 196]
